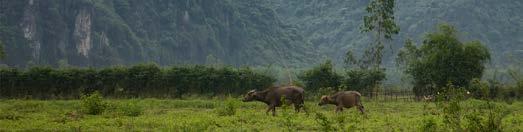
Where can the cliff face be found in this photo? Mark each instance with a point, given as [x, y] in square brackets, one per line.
[236, 32]
[82, 33]
[109, 32]
[28, 26]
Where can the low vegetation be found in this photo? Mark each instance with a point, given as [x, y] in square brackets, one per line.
[146, 80]
[210, 115]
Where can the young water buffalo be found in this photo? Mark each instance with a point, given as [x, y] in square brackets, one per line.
[272, 97]
[342, 99]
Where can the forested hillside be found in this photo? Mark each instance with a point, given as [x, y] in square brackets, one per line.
[255, 32]
[108, 32]
[333, 26]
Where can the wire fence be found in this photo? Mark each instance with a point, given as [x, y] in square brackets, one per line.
[390, 95]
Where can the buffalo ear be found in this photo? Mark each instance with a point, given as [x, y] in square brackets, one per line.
[326, 98]
[251, 92]
[323, 97]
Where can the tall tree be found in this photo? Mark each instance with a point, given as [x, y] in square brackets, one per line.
[2, 52]
[380, 21]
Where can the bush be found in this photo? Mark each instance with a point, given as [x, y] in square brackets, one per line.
[519, 88]
[93, 104]
[9, 115]
[229, 108]
[321, 76]
[131, 108]
[451, 103]
[287, 119]
[486, 118]
[429, 125]
[137, 81]
[363, 80]
[479, 115]
[324, 122]
[26, 107]
[479, 89]
[443, 58]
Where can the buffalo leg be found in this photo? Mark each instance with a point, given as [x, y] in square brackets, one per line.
[297, 107]
[339, 109]
[362, 109]
[269, 109]
[302, 106]
[274, 111]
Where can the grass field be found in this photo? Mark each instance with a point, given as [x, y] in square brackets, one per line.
[233, 115]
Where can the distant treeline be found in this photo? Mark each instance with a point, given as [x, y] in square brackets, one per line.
[146, 80]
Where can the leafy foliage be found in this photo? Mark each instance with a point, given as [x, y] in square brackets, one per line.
[2, 52]
[322, 76]
[478, 115]
[429, 125]
[199, 115]
[324, 122]
[130, 108]
[443, 58]
[332, 26]
[479, 89]
[146, 80]
[93, 104]
[380, 19]
[363, 80]
[228, 108]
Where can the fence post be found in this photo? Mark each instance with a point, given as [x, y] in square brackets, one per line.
[396, 95]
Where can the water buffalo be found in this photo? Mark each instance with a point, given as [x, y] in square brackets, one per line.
[273, 97]
[342, 99]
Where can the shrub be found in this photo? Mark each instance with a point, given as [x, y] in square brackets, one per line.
[93, 104]
[341, 120]
[26, 107]
[450, 102]
[137, 81]
[441, 58]
[9, 115]
[485, 116]
[479, 89]
[323, 91]
[363, 80]
[131, 108]
[321, 76]
[486, 119]
[324, 122]
[229, 108]
[354, 119]
[429, 125]
[287, 118]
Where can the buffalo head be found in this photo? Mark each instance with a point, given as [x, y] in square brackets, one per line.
[324, 100]
[250, 96]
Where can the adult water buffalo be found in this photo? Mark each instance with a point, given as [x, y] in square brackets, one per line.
[342, 99]
[273, 97]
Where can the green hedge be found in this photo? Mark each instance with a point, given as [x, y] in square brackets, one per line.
[146, 80]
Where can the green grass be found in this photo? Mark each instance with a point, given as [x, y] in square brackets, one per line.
[204, 115]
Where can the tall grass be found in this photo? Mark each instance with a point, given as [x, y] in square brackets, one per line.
[203, 115]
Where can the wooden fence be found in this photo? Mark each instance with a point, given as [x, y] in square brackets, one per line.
[389, 95]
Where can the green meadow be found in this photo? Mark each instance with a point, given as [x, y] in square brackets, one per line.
[230, 114]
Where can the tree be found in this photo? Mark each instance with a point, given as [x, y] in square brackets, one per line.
[363, 80]
[366, 74]
[2, 52]
[380, 21]
[322, 76]
[442, 59]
